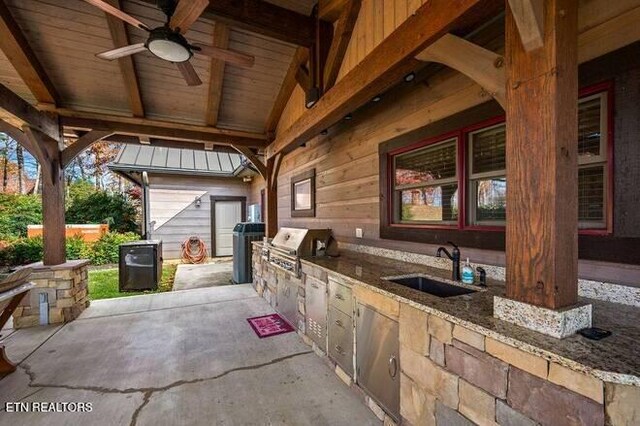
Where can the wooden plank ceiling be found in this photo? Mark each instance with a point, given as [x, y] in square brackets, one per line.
[65, 35]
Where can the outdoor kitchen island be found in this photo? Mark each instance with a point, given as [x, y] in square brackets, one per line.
[456, 361]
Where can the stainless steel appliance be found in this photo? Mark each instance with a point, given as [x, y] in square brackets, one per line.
[316, 309]
[140, 265]
[243, 234]
[289, 244]
[377, 358]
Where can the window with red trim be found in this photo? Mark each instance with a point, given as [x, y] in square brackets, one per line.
[459, 180]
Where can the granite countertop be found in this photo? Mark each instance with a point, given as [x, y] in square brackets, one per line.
[613, 359]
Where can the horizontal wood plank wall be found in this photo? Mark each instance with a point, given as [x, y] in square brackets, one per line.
[346, 160]
[172, 205]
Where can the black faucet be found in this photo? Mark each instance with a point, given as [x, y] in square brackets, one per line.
[455, 258]
[483, 276]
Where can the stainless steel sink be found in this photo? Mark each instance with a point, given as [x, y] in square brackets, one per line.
[431, 286]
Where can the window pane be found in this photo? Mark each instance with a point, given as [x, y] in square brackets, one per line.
[491, 200]
[591, 194]
[302, 195]
[589, 131]
[433, 204]
[427, 164]
[488, 148]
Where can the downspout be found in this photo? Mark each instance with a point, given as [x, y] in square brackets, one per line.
[145, 206]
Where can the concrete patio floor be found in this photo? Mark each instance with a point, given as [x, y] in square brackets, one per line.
[179, 358]
[206, 275]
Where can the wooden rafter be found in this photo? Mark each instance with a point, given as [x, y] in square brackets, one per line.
[83, 142]
[330, 10]
[163, 129]
[481, 65]
[253, 158]
[16, 48]
[26, 113]
[262, 17]
[303, 78]
[300, 57]
[385, 65]
[216, 75]
[341, 37]
[529, 18]
[169, 143]
[127, 66]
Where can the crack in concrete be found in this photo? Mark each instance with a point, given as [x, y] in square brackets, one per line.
[149, 391]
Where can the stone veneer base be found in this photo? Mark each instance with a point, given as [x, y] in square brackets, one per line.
[554, 323]
[66, 286]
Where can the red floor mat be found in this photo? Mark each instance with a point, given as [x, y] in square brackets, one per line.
[269, 325]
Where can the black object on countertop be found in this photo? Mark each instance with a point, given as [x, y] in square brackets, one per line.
[594, 333]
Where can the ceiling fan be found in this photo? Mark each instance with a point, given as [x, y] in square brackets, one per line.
[168, 42]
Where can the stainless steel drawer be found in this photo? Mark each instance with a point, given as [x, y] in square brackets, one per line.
[340, 297]
[341, 339]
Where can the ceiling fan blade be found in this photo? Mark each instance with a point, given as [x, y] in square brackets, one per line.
[187, 12]
[189, 73]
[231, 56]
[106, 7]
[121, 52]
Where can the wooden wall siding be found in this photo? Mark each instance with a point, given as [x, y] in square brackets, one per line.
[65, 37]
[248, 94]
[190, 220]
[346, 160]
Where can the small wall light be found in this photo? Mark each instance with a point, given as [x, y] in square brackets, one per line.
[198, 201]
[376, 98]
[410, 77]
[247, 179]
[348, 117]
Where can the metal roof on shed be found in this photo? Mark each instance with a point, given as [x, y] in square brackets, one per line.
[178, 161]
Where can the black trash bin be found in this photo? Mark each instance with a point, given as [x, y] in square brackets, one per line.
[243, 234]
[140, 265]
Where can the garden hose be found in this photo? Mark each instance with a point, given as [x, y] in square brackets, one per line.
[194, 250]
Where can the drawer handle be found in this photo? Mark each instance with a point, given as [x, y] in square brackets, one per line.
[339, 323]
[339, 350]
[393, 366]
[339, 296]
[314, 285]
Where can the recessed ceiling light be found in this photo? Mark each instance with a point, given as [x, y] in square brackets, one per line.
[376, 98]
[324, 132]
[348, 116]
[410, 77]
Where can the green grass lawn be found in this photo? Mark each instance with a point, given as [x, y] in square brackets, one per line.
[103, 284]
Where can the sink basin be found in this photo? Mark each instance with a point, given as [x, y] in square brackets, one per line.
[431, 286]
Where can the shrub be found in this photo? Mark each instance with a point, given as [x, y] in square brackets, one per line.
[76, 248]
[23, 251]
[16, 212]
[106, 249]
[103, 207]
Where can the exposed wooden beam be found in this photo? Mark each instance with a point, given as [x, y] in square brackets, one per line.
[481, 65]
[168, 143]
[26, 113]
[263, 18]
[303, 78]
[163, 129]
[273, 169]
[542, 195]
[253, 158]
[44, 152]
[83, 142]
[386, 65]
[16, 48]
[529, 18]
[120, 38]
[330, 9]
[19, 136]
[216, 75]
[300, 57]
[341, 37]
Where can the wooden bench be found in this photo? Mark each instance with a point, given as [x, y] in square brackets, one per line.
[13, 289]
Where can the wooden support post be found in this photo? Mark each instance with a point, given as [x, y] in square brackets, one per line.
[271, 221]
[49, 157]
[542, 212]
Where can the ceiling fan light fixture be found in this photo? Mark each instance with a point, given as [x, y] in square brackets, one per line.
[168, 45]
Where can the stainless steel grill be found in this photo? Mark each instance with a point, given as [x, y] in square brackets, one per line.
[290, 244]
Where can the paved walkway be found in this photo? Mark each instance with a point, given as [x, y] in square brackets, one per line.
[179, 358]
[206, 275]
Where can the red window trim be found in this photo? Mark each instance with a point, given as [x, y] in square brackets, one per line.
[462, 136]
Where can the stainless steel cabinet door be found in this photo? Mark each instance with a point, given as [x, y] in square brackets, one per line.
[316, 308]
[377, 358]
[287, 301]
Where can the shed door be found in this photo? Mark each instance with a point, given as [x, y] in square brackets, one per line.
[227, 214]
